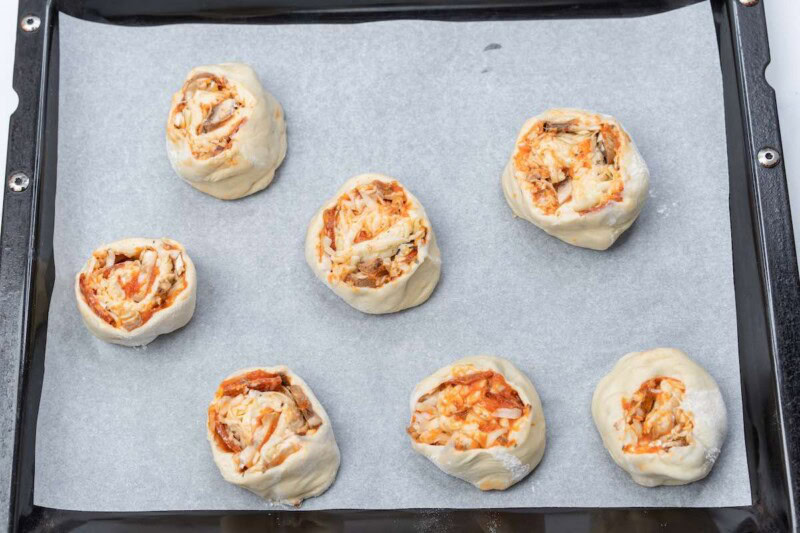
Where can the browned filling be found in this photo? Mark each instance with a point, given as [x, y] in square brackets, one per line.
[372, 273]
[554, 158]
[653, 418]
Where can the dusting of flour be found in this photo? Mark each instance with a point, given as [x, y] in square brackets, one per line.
[513, 465]
[707, 404]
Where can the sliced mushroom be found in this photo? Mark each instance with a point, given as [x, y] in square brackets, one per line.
[230, 442]
[371, 268]
[559, 127]
[220, 114]
[371, 283]
[300, 397]
[371, 273]
[304, 404]
[607, 146]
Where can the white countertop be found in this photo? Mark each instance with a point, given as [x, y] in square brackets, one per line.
[782, 73]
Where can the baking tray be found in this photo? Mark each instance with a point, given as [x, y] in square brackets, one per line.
[765, 271]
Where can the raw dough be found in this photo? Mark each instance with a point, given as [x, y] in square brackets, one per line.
[448, 406]
[226, 135]
[577, 175]
[661, 417]
[133, 290]
[270, 435]
[373, 245]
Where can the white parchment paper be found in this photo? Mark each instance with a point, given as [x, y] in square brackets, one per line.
[435, 106]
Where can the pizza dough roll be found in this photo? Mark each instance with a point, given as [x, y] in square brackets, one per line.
[373, 245]
[270, 435]
[578, 176]
[133, 290]
[661, 417]
[480, 420]
[226, 135]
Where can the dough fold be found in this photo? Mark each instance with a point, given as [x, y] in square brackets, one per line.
[133, 290]
[661, 417]
[577, 175]
[226, 135]
[479, 419]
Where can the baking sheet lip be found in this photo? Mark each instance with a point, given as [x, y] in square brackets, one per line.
[280, 508]
[327, 14]
[753, 81]
[741, 31]
[32, 65]
[29, 277]
[733, 519]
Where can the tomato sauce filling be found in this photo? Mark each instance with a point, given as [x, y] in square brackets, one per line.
[573, 163]
[474, 409]
[126, 291]
[654, 421]
[257, 417]
[370, 237]
[210, 113]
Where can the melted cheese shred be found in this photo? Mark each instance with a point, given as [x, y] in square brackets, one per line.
[258, 416]
[575, 163]
[127, 290]
[371, 236]
[475, 409]
[654, 421]
[210, 112]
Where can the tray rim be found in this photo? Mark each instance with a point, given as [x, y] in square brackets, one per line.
[26, 270]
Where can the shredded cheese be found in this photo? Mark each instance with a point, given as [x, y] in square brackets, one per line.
[371, 236]
[127, 290]
[475, 409]
[654, 422]
[209, 114]
[573, 163]
[258, 416]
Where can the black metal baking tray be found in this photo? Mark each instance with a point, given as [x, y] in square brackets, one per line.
[764, 265]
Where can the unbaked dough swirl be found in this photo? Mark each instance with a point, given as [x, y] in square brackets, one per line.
[661, 416]
[479, 419]
[269, 434]
[226, 135]
[133, 290]
[577, 175]
[374, 246]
